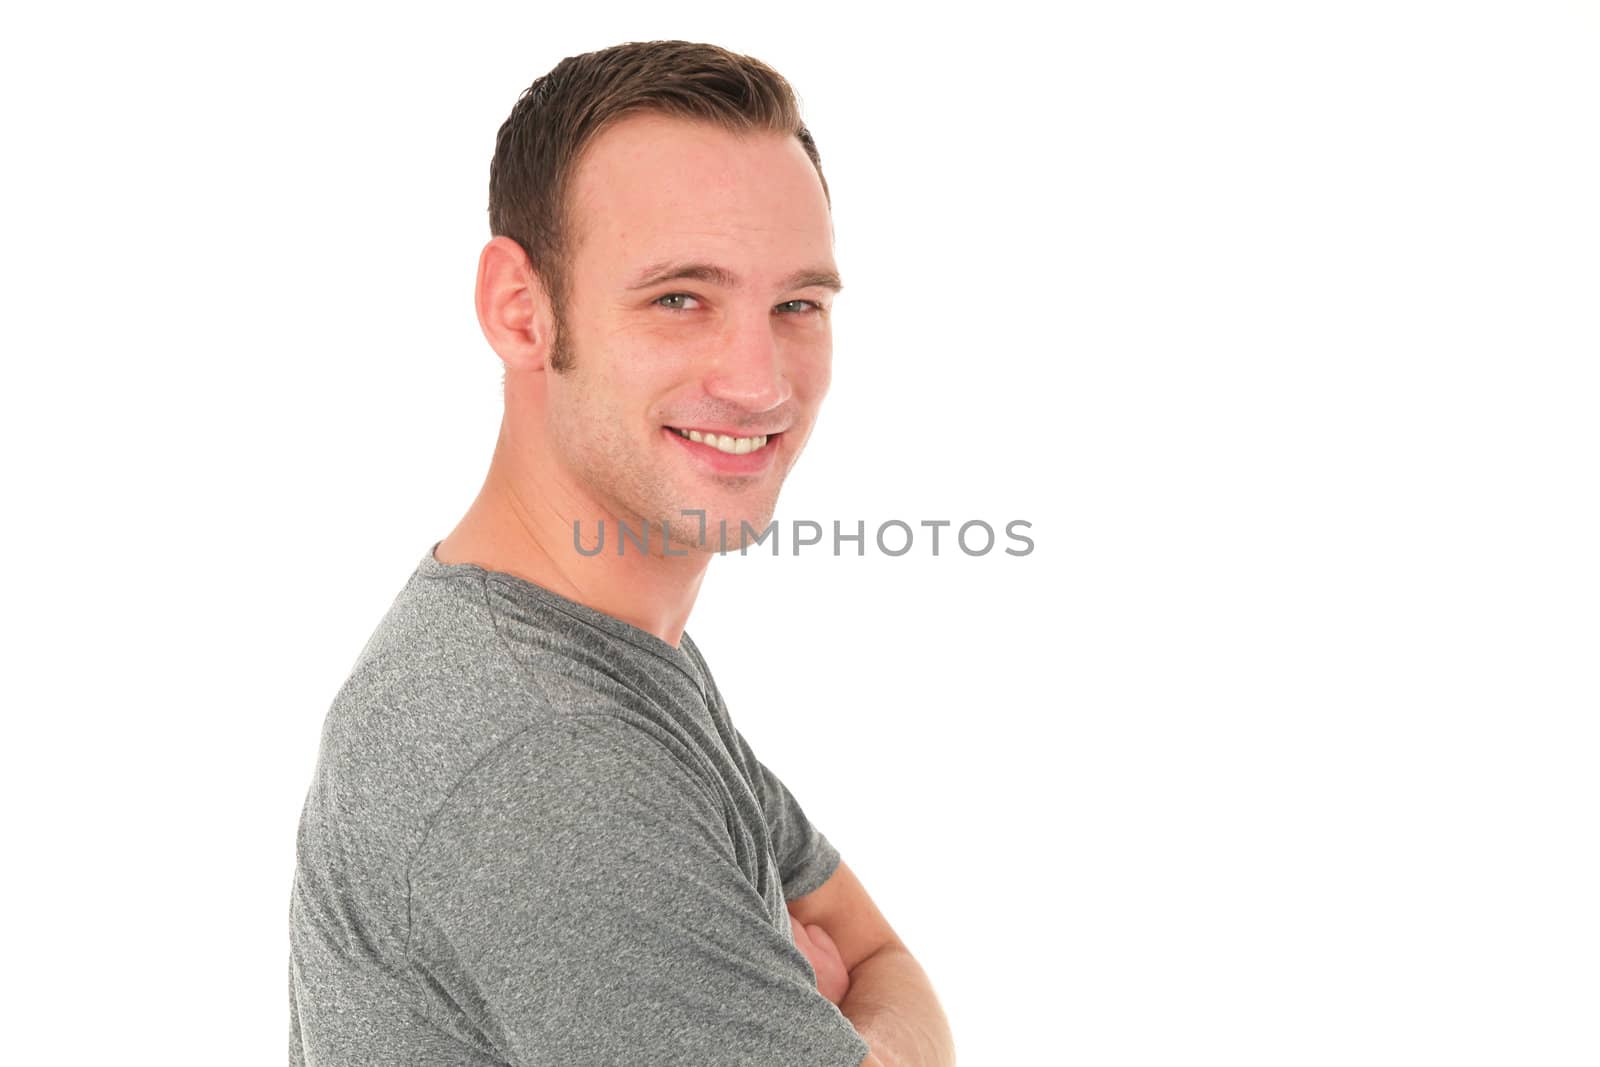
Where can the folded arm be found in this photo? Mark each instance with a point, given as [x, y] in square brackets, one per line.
[888, 999]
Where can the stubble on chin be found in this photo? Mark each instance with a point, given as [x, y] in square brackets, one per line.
[708, 526]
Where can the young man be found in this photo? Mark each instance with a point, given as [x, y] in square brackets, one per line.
[534, 835]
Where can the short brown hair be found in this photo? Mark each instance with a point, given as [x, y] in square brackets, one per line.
[539, 144]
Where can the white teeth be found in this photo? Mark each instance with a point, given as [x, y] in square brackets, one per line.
[737, 446]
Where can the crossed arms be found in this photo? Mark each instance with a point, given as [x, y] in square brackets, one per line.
[864, 968]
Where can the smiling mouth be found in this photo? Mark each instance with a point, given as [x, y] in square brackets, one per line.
[734, 446]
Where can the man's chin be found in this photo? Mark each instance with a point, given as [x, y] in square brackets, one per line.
[704, 530]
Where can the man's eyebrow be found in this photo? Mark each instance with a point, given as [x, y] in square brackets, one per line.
[671, 270]
[805, 279]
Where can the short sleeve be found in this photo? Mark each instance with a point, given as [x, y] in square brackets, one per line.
[578, 901]
[806, 858]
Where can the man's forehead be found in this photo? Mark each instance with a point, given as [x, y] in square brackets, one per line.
[641, 142]
[653, 193]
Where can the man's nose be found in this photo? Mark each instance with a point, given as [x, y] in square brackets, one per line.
[749, 367]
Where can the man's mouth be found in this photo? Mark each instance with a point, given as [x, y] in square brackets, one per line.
[735, 446]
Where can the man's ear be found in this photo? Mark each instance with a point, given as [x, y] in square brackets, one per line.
[513, 307]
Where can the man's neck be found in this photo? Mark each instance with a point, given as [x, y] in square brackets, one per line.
[523, 528]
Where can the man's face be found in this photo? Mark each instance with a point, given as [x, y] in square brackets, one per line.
[700, 260]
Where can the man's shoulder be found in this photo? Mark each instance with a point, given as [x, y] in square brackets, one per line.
[429, 693]
[431, 699]
[437, 692]
[432, 661]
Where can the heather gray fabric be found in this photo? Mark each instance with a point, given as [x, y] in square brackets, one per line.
[535, 837]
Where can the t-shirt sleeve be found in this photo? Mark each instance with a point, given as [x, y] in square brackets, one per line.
[578, 900]
[806, 858]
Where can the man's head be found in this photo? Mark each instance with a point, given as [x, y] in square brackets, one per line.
[540, 143]
[662, 263]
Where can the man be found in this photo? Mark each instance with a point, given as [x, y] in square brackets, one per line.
[534, 835]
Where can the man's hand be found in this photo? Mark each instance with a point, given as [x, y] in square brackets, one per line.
[833, 978]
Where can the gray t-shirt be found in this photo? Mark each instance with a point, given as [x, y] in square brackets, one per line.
[534, 836]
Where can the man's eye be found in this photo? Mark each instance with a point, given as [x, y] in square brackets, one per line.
[673, 301]
[799, 305]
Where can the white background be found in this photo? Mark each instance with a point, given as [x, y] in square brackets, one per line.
[1277, 321]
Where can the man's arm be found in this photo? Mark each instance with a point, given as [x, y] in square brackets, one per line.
[890, 1001]
[578, 900]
